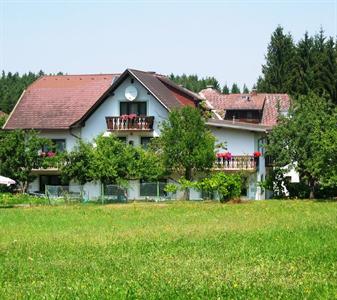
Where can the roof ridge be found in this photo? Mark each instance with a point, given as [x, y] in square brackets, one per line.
[93, 74]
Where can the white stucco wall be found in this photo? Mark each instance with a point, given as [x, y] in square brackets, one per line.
[238, 142]
[96, 123]
[70, 139]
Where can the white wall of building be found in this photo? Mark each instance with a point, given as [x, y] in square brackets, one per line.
[70, 139]
[96, 123]
[244, 142]
[238, 142]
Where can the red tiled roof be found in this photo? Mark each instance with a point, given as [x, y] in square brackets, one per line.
[273, 104]
[269, 104]
[56, 102]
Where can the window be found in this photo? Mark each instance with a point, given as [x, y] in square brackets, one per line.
[49, 180]
[249, 115]
[152, 189]
[138, 108]
[144, 140]
[58, 145]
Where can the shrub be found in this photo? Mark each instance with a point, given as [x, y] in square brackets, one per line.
[13, 199]
[228, 186]
[171, 188]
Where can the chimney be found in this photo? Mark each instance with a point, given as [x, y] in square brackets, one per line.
[254, 92]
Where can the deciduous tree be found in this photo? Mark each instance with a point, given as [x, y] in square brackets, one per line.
[307, 141]
[187, 144]
[19, 154]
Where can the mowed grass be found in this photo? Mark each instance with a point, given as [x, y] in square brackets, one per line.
[259, 250]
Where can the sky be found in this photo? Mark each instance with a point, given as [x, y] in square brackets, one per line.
[224, 39]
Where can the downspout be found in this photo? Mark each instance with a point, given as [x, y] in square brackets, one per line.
[73, 134]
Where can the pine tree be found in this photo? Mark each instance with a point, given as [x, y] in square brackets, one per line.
[303, 72]
[225, 89]
[279, 63]
[235, 89]
[245, 89]
[194, 83]
[330, 62]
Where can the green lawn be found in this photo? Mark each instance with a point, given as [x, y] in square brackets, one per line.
[267, 249]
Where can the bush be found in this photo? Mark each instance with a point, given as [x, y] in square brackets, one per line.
[228, 186]
[7, 199]
[301, 190]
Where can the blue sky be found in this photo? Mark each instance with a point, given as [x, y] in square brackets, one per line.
[225, 39]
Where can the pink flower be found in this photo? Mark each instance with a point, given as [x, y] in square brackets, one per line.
[132, 116]
[51, 154]
[228, 155]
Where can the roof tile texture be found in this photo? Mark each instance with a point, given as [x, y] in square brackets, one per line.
[56, 102]
[269, 104]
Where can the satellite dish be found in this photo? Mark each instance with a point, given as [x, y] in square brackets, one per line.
[131, 93]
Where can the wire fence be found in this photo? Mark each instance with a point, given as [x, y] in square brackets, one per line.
[155, 191]
[113, 193]
[58, 194]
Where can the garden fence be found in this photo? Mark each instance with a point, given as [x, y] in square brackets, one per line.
[113, 193]
[58, 194]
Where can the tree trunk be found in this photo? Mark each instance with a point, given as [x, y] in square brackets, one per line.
[188, 176]
[23, 186]
[312, 185]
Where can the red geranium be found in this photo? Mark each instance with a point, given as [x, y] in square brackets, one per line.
[257, 154]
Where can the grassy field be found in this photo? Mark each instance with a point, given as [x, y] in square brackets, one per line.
[180, 250]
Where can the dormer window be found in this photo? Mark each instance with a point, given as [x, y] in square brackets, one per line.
[284, 113]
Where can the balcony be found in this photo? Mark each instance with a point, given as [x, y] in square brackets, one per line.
[130, 123]
[236, 163]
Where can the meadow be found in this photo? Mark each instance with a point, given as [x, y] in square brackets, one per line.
[258, 250]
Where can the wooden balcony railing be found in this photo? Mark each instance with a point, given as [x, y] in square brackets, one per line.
[126, 123]
[236, 163]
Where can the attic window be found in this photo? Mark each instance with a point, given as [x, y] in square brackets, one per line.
[246, 97]
[284, 112]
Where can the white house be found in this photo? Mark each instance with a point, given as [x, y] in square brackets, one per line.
[66, 108]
